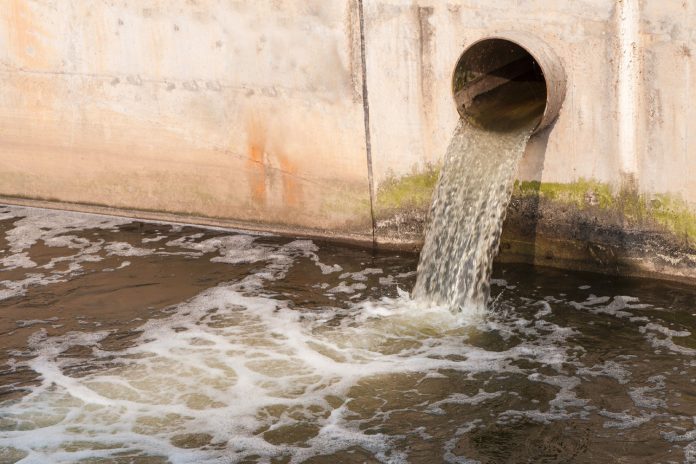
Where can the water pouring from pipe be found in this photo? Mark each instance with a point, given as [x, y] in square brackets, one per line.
[504, 94]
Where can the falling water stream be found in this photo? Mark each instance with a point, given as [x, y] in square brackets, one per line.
[467, 214]
[501, 93]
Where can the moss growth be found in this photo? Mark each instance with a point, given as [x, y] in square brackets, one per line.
[348, 199]
[583, 193]
[412, 191]
[637, 209]
[675, 214]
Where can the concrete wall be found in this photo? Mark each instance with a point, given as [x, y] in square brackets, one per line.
[253, 114]
[411, 106]
[241, 110]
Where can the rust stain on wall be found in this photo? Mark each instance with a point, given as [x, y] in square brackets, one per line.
[256, 164]
[272, 173]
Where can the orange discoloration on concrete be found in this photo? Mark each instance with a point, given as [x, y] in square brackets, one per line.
[273, 171]
[143, 105]
[155, 169]
[256, 165]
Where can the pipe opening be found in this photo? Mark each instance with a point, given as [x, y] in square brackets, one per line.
[500, 86]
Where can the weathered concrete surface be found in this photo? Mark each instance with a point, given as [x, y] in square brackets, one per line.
[590, 226]
[237, 110]
[636, 148]
[253, 114]
[580, 144]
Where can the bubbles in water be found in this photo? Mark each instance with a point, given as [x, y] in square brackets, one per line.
[265, 367]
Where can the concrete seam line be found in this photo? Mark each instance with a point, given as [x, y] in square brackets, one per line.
[366, 114]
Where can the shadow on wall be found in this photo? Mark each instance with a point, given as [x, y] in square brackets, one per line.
[592, 226]
[522, 221]
[502, 84]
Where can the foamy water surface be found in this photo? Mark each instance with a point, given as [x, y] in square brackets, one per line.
[149, 343]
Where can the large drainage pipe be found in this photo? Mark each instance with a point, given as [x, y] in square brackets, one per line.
[509, 81]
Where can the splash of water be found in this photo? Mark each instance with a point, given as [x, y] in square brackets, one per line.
[466, 217]
[246, 371]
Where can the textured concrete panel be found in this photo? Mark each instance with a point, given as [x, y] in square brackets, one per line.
[244, 110]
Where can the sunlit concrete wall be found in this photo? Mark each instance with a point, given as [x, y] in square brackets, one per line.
[611, 186]
[422, 42]
[253, 113]
[242, 110]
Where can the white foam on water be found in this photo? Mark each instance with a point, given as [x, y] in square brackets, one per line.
[17, 260]
[35, 224]
[154, 239]
[452, 458]
[642, 398]
[461, 398]
[343, 287]
[233, 365]
[623, 420]
[223, 373]
[690, 453]
[659, 336]
[361, 276]
[609, 369]
[58, 229]
[32, 225]
[126, 249]
[14, 288]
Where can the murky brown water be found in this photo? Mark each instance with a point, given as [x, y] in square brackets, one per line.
[129, 342]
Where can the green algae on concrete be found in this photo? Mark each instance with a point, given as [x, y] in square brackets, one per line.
[353, 201]
[674, 213]
[583, 193]
[414, 191]
[637, 209]
[582, 225]
[407, 199]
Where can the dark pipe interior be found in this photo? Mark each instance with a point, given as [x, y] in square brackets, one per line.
[499, 86]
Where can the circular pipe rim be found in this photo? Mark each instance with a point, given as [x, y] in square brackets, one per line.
[551, 68]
